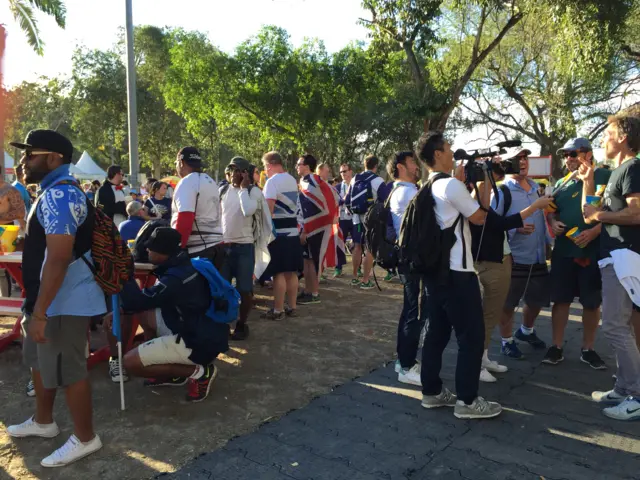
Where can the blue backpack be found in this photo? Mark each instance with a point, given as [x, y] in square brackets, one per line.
[361, 193]
[225, 299]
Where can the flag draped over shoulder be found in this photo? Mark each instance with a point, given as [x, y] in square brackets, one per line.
[320, 211]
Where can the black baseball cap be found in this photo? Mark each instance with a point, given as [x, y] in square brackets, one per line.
[190, 155]
[49, 140]
[240, 163]
[164, 240]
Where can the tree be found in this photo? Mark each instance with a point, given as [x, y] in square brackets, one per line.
[418, 27]
[23, 13]
[535, 87]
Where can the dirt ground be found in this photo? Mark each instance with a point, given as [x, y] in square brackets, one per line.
[281, 367]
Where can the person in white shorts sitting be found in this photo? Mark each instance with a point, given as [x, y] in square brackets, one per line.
[182, 340]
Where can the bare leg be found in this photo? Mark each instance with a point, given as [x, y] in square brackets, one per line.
[45, 398]
[506, 323]
[559, 319]
[134, 366]
[279, 288]
[590, 321]
[291, 285]
[79, 403]
[367, 267]
[529, 315]
[310, 277]
[125, 326]
[356, 258]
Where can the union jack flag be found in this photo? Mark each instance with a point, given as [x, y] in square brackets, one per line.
[319, 203]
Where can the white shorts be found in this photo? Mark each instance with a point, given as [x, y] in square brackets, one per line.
[164, 350]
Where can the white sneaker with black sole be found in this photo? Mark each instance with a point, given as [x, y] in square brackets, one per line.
[480, 408]
[72, 451]
[115, 371]
[31, 428]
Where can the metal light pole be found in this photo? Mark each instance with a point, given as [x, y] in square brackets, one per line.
[131, 99]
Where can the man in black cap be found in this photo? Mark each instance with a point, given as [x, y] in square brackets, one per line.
[195, 209]
[183, 340]
[240, 201]
[61, 296]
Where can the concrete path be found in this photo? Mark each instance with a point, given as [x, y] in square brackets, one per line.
[375, 428]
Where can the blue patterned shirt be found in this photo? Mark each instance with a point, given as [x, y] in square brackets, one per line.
[60, 211]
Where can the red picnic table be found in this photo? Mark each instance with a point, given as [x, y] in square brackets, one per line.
[12, 263]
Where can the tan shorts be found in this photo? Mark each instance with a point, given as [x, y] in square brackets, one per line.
[163, 351]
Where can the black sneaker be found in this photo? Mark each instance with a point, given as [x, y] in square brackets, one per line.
[308, 299]
[554, 356]
[272, 315]
[165, 382]
[290, 312]
[591, 358]
[199, 389]
[241, 332]
[532, 339]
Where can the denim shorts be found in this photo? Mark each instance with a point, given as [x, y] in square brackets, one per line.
[239, 264]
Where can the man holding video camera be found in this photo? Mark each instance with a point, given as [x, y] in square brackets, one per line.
[455, 300]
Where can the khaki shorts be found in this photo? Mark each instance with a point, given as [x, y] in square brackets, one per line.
[163, 351]
[62, 360]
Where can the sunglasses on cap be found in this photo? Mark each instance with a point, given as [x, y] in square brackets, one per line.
[33, 153]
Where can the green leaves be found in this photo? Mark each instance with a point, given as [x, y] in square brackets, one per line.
[23, 13]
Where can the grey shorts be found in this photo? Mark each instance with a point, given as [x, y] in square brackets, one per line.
[62, 360]
[530, 282]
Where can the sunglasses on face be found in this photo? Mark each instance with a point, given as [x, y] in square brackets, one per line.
[343, 171]
[573, 154]
[33, 153]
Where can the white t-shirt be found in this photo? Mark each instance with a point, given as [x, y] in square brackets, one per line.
[402, 194]
[452, 199]
[201, 189]
[238, 207]
[376, 183]
[283, 188]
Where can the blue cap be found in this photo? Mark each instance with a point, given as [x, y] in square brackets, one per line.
[575, 144]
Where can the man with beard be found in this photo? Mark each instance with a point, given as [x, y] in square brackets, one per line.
[61, 296]
[574, 262]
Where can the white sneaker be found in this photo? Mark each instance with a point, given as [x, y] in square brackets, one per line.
[493, 366]
[485, 376]
[629, 409]
[608, 398]
[410, 376]
[32, 429]
[115, 370]
[72, 451]
[397, 367]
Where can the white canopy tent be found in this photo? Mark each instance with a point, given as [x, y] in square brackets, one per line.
[89, 169]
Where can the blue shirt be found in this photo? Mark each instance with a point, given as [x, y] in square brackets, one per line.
[527, 249]
[26, 198]
[129, 228]
[60, 211]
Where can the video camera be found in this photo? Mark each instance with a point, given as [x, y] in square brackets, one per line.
[474, 170]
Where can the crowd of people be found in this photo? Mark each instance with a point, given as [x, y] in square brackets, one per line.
[467, 252]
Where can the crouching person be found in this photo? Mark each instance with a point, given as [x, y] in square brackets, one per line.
[182, 340]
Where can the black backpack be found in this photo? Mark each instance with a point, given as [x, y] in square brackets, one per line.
[140, 253]
[424, 247]
[506, 193]
[375, 223]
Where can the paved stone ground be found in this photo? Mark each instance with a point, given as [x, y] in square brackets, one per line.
[374, 428]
